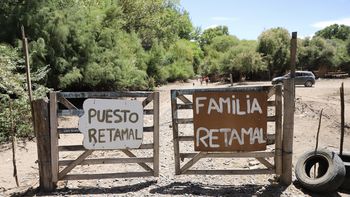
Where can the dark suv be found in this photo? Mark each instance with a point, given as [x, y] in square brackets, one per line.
[305, 78]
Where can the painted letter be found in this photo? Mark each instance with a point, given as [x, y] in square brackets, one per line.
[213, 105]
[92, 113]
[255, 106]
[92, 133]
[227, 101]
[198, 105]
[225, 131]
[202, 139]
[238, 108]
[212, 137]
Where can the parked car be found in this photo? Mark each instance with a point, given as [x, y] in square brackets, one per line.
[305, 78]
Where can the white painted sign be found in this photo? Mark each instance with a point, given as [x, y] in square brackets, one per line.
[112, 124]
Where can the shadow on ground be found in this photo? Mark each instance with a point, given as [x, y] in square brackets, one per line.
[321, 194]
[88, 190]
[189, 188]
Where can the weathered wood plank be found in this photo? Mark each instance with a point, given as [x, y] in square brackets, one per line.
[148, 100]
[70, 112]
[229, 172]
[271, 92]
[186, 138]
[230, 154]
[174, 115]
[288, 128]
[278, 128]
[104, 94]
[184, 106]
[80, 112]
[156, 134]
[143, 165]
[109, 161]
[271, 103]
[184, 99]
[54, 136]
[81, 147]
[148, 111]
[265, 163]
[228, 89]
[107, 176]
[271, 118]
[184, 120]
[76, 130]
[194, 160]
[42, 130]
[288, 118]
[66, 103]
[74, 163]
[68, 130]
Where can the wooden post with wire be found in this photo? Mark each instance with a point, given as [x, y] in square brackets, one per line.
[342, 119]
[288, 117]
[13, 144]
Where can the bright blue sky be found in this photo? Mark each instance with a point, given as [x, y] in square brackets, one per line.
[248, 18]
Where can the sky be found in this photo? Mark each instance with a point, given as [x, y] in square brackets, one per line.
[246, 19]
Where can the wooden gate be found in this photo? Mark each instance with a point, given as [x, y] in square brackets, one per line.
[181, 100]
[60, 105]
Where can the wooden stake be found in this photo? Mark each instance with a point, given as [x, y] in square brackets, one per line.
[318, 131]
[29, 82]
[288, 117]
[13, 143]
[342, 119]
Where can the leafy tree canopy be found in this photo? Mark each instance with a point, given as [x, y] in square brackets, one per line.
[341, 32]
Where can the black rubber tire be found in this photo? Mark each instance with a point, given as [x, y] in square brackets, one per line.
[346, 161]
[331, 168]
[308, 84]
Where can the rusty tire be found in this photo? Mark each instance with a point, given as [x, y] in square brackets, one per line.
[346, 161]
[331, 171]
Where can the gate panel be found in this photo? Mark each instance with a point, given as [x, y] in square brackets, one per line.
[66, 108]
[180, 101]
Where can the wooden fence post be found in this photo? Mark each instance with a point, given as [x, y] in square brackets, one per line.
[54, 136]
[278, 126]
[288, 117]
[342, 118]
[42, 130]
[156, 134]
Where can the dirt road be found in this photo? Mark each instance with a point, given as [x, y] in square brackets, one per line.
[309, 102]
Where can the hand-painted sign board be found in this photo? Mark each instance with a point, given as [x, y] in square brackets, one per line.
[230, 121]
[112, 124]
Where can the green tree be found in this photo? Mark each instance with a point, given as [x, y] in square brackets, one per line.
[214, 52]
[209, 34]
[274, 45]
[315, 53]
[180, 59]
[341, 32]
[13, 93]
[242, 59]
[156, 20]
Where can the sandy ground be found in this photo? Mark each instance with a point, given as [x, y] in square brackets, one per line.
[309, 101]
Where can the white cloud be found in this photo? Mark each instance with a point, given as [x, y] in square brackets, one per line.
[323, 24]
[211, 26]
[222, 18]
[304, 36]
